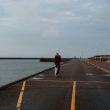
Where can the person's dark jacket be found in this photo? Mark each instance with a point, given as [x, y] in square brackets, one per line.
[57, 59]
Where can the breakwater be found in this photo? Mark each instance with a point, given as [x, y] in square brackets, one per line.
[41, 59]
[52, 59]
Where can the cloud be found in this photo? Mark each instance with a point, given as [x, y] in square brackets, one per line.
[35, 24]
[69, 13]
[51, 32]
[60, 1]
[49, 20]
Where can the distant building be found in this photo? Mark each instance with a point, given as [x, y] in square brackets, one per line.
[101, 57]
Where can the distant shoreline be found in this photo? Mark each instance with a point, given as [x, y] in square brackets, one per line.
[41, 59]
[17, 58]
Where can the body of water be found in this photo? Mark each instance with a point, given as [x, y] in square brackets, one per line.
[12, 70]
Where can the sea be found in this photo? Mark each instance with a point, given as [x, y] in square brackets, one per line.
[12, 70]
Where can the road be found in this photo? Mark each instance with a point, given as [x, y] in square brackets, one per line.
[80, 86]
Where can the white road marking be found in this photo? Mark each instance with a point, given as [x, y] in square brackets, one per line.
[89, 74]
[37, 78]
[107, 75]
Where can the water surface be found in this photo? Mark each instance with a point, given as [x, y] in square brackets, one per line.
[12, 70]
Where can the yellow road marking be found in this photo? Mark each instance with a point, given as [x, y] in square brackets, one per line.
[21, 96]
[73, 96]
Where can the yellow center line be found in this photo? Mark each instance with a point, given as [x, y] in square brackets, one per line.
[73, 96]
[21, 96]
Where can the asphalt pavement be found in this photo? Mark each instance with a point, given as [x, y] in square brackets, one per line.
[79, 86]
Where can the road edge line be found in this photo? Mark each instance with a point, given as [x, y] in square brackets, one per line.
[73, 96]
[21, 96]
[103, 69]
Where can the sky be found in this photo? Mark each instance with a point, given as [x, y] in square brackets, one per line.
[40, 28]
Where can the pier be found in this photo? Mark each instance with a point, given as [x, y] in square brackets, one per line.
[80, 85]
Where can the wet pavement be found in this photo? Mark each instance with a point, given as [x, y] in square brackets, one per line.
[102, 64]
[45, 92]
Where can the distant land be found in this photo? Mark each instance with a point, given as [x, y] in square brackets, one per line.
[41, 59]
[52, 59]
[18, 58]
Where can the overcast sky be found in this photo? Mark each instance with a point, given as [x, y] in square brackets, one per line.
[40, 28]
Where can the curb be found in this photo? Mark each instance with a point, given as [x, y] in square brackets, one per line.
[28, 77]
[103, 69]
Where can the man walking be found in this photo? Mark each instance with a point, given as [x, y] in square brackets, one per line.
[57, 60]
